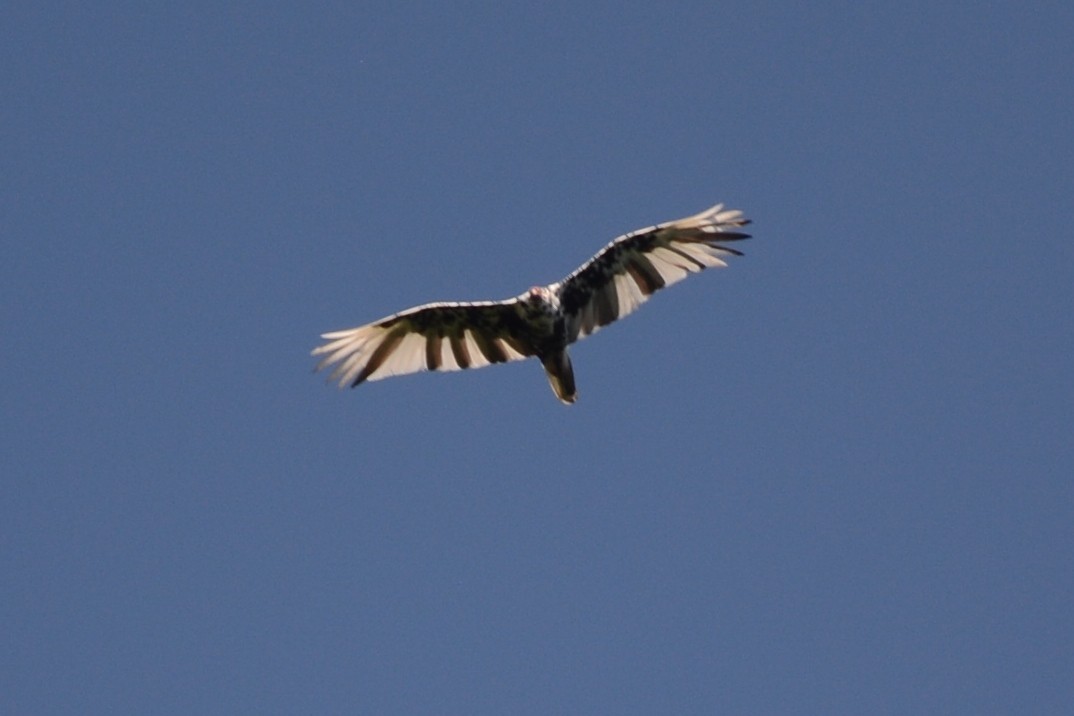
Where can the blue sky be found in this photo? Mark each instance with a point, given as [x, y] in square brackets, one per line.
[832, 478]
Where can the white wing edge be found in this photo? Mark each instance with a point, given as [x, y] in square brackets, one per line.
[351, 350]
[673, 260]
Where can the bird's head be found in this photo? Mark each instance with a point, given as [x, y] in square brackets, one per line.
[540, 300]
[538, 294]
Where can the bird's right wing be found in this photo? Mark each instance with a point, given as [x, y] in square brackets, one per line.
[631, 268]
[435, 336]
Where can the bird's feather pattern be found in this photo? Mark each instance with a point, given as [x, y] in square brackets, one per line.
[631, 268]
[541, 322]
[435, 336]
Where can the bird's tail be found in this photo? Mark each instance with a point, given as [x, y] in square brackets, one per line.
[560, 375]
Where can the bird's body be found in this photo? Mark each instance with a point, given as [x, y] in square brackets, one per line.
[541, 322]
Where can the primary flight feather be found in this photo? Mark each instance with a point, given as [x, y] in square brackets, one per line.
[544, 320]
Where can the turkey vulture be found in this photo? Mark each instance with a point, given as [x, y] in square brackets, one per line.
[544, 320]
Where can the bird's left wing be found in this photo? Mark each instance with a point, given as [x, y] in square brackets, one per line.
[632, 267]
[436, 336]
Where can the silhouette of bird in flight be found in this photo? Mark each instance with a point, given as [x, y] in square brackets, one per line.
[544, 320]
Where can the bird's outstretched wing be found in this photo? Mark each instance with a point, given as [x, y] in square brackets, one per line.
[632, 267]
[435, 336]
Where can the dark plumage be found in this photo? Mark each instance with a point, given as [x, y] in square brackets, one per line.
[541, 322]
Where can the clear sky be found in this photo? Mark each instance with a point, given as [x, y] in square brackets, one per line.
[834, 478]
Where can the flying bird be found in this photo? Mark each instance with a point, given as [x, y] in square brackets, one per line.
[544, 320]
